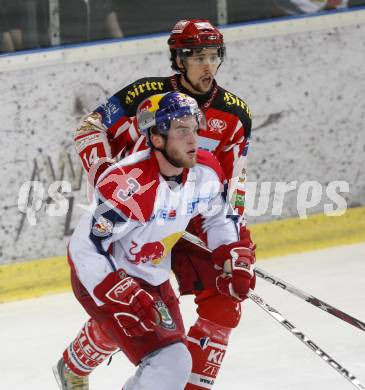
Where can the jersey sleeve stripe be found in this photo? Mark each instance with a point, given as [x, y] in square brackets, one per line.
[122, 129]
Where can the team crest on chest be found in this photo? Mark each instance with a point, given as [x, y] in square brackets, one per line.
[217, 125]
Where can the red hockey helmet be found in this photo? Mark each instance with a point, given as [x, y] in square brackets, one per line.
[188, 35]
[196, 33]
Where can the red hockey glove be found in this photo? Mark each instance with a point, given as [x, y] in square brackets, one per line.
[238, 275]
[131, 306]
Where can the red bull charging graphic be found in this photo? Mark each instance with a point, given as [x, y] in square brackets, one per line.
[150, 251]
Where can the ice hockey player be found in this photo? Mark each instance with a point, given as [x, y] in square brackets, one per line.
[120, 253]
[197, 51]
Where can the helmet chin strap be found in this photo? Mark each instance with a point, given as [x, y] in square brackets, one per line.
[186, 77]
[168, 158]
[164, 153]
[185, 74]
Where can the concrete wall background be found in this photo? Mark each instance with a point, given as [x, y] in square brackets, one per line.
[305, 89]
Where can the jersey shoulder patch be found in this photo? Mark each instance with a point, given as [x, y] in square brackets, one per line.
[111, 111]
[131, 189]
[207, 159]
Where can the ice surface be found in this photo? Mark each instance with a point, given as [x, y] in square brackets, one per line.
[262, 354]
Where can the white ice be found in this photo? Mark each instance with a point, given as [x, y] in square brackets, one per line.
[262, 353]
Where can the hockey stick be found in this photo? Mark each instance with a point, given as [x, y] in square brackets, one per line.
[310, 298]
[305, 340]
[293, 290]
[289, 326]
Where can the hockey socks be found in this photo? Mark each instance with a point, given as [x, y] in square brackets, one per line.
[89, 349]
[207, 343]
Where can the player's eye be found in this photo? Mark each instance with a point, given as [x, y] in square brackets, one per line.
[214, 59]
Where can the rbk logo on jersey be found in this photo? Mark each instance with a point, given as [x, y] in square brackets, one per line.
[217, 125]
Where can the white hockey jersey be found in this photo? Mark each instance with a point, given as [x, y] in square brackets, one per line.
[138, 218]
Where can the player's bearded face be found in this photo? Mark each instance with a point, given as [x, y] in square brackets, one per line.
[201, 67]
[181, 144]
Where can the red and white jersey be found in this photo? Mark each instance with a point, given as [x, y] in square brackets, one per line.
[138, 218]
[111, 130]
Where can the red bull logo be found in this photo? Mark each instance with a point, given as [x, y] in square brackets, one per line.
[146, 105]
[150, 251]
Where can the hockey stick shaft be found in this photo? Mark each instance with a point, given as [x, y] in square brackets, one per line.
[294, 290]
[310, 298]
[306, 340]
[289, 326]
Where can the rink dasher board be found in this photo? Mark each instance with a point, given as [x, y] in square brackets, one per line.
[156, 42]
